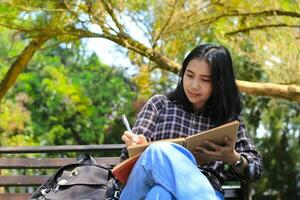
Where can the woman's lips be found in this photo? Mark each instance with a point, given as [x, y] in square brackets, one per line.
[194, 94]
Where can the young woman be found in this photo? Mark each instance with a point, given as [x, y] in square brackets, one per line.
[206, 96]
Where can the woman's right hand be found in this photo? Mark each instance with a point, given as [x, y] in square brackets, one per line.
[133, 139]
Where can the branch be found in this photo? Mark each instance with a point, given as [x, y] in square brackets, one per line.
[237, 14]
[290, 92]
[20, 64]
[106, 28]
[255, 14]
[19, 28]
[131, 44]
[272, 13]
[110, 11]
[165, 25]
[35, 9]
[264, 13]
[261, 27]
[162, 61]
[140, 23]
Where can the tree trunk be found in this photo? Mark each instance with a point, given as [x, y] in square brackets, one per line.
[20, 64]
[290, 92]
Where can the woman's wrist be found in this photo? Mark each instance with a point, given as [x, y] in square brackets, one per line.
[240, 165]
[235, 158]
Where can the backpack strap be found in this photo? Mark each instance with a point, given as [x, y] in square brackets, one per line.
[86, 159]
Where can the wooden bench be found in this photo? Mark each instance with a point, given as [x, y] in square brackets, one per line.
[21, 167]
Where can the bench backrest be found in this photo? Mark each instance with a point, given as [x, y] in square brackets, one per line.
[52, 157]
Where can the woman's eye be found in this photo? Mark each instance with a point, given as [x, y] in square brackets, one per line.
[189, 75]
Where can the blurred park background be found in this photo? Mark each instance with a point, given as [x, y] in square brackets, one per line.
[61, 84]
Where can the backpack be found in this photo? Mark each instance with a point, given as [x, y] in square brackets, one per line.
[84, 180]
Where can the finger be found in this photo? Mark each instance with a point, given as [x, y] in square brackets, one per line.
[213, 145]
[201, 154]
[141, 136]
[203, 150]
[195, 152]
[198, 148]
[228, 141]
[204, 157]
[126, 140]
[133, 138]
[142, 139]
[128, 134]
[212, 154]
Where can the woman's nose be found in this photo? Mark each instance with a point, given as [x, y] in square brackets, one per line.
[195, 85]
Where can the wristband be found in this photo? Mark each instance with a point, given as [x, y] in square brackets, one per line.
[238, 163]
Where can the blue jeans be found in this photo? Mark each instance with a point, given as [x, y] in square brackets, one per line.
[167, 171]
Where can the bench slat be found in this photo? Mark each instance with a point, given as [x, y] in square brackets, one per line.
[232, 191]
[52, 163]
[9, 196]
[229, 193]
[61, 148]
[22, 196]
[23, 180]
[48, 163]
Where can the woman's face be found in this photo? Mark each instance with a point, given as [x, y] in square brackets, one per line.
[197, 83]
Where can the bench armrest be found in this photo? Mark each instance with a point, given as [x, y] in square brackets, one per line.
[249, 175]
[246, 182]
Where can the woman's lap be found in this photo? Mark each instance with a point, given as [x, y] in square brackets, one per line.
[171, 167]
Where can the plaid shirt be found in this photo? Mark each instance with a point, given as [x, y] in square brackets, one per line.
[162, 118]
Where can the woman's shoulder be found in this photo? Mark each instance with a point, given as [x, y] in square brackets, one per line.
[158, 98]
[159, 101]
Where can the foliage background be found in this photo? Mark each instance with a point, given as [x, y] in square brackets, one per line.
[66, 95]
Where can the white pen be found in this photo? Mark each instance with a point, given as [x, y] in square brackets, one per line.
[125, 121]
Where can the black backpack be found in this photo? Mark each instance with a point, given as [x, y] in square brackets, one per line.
[84, 180]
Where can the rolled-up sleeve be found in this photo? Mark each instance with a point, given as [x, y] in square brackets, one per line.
[146, 120]
[145, 123]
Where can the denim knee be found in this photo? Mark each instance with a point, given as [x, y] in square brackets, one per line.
[168, 148]
[159, 146]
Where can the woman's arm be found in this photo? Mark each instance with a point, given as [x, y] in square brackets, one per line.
[239, 157]
[144, 126]
[245, 147]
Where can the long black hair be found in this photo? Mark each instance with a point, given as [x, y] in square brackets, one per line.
[225, 101]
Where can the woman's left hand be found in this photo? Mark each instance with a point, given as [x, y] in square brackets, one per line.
[224, 153]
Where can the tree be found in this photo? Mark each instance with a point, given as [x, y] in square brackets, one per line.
[281, 150]
[64, 96]
[16, 122]
[166, 24]
[263, 37]
[76, 103]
